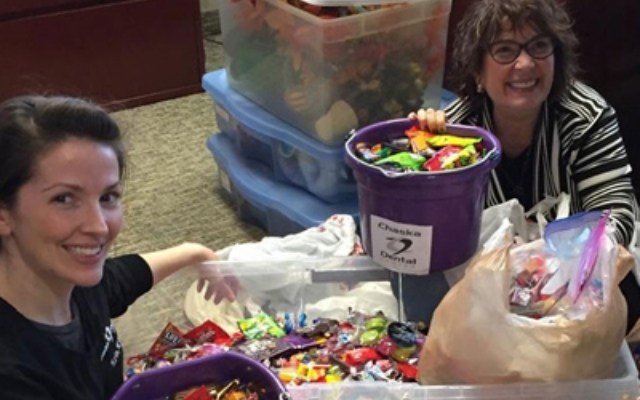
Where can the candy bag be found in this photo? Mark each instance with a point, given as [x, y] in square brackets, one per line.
[475, 338]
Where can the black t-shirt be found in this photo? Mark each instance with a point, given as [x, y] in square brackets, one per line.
[515, 174]
[71, 334]
[35, 364]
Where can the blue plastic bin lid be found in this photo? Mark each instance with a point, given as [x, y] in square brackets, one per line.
[262, 124]
[252, 180]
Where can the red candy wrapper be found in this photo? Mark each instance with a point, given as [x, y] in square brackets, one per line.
[360, 356]
[436, 163]
[169, 338]
[407, 370]
[207, 332]
[201, 393]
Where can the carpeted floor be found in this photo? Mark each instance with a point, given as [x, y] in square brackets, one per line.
[171, 196]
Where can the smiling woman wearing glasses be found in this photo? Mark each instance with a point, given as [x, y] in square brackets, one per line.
[514, 68]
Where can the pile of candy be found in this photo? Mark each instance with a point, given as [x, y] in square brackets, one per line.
[309, 73]
[233, 390]
[419, 150]
[555, 276]
[331, 12]
[528, 295]
[359, 348]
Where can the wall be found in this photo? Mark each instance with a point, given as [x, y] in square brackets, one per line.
[145, 50]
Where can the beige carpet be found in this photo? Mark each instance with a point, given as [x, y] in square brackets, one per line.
[171, 196]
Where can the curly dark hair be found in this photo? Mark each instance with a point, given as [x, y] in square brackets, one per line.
[482, 24]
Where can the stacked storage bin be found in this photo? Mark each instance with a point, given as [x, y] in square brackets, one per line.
[276, 177]
[296, 83]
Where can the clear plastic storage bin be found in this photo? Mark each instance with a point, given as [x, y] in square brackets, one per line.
[291, 156]
[279, 208]
[327, 287]
[328, 76]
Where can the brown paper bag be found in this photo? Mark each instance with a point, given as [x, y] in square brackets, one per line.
[474, 339]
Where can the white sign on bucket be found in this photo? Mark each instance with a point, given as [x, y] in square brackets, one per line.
[403, 248]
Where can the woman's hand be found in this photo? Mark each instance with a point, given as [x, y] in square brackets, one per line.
[165, 262]
[215, 284]
[430, 120]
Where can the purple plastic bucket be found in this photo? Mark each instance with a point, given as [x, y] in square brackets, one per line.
[420, 222]
[218, 368]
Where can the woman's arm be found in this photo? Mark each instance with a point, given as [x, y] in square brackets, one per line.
[165, 262]
[602, 174]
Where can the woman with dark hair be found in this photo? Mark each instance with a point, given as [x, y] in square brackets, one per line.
[514, 68]
[62, 163]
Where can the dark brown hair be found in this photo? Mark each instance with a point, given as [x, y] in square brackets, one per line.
[483, 22]
[32, 125]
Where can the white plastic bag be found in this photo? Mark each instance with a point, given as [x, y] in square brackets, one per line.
[513, 211]
[634, 249]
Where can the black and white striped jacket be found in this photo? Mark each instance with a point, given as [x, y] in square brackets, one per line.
[578, 150]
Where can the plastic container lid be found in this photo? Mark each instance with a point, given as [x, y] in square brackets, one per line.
[252, 180]
[261, 123]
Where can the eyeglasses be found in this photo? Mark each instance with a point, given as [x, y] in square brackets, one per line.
[506, 51]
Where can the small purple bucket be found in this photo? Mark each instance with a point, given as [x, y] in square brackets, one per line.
[420, 222]
[218, 368]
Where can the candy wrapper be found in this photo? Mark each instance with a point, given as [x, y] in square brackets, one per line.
[259, 326]
[173, 346]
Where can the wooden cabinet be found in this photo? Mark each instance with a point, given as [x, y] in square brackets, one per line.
[119, 53]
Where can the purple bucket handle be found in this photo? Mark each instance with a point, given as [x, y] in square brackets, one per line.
[221, 366]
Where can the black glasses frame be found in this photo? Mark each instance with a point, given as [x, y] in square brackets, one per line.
[526, 46]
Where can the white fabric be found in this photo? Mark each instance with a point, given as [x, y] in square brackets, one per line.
[563, 201]
[335, 237]
[291, 291]
[634, 249]
[511, 210]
